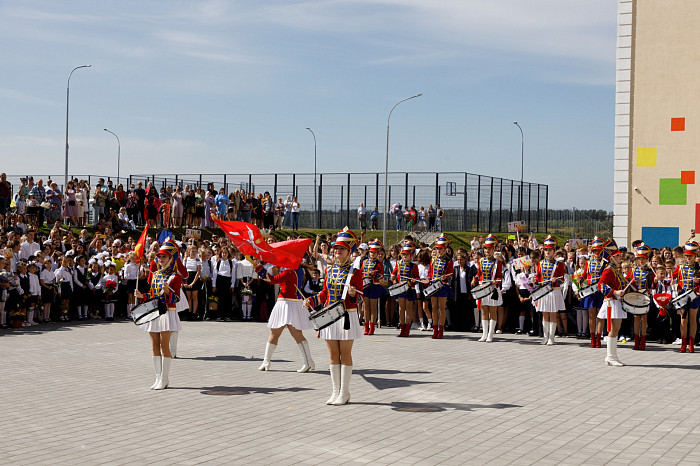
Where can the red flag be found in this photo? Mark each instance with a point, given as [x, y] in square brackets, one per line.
[141, 245]
[247, 238]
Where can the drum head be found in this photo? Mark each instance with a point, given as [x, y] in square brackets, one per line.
[637, 299]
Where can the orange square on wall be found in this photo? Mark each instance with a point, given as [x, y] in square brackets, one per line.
[688, 177]
[677, 124]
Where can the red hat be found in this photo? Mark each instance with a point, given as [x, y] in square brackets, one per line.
[642, 251]
[691, 248]
[408, 247]
[346, 239]
[597, 243]
[375, 245]
[490, 242]
[550, 242]
[442, 242]
[610, 249]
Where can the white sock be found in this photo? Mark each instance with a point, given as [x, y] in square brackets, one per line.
[3, 320]
[521, 321]
[30, 315]
[476, 316]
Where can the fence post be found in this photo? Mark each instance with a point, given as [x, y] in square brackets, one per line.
[376, 191]
[200, 180]
[437, 188]
[538, 208]
[478, 205]
[413, 198]
[500, 207]
[529, 203]
[366, 197]
[347, 222]
[320, 199]
[490, 205]
[464, 218]
[546, 211]
[405, 203]
[274, 196]
[510, 215]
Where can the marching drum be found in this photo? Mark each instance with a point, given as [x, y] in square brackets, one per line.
[366, 282]
[432, 289]
[682, 300]
[484, 290]
[399, 288]
[328, 315]
[636, 303]
[587, 290]
[146, 312]
[541, 292]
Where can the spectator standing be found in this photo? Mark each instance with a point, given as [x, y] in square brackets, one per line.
[178, 207]
[71, 212]
[55, 197]
[279, 214]
[432, 215]
[295, 214]
[268, 212]
[221, 201]
[5, 195]
[140, 203]
[99, 206]
[374, 218]
[362, 216]
[475, 244]
[439, 214]
[39, 193]
[287, 221]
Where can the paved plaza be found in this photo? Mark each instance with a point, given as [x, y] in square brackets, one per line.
[78, 394]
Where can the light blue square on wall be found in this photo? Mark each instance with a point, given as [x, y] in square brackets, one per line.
[660, 237]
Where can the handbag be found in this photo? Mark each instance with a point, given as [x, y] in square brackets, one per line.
[45, 205]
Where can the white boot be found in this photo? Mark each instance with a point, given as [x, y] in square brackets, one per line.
[163, 382]
[485, 329]
[335, 381]
[611, 359]
[269, 350]
[309, 364]
[173, 344]
[492, 328]
[552, 333]
[158, 366]
[30, 316]
[545, 330]
[344, 395]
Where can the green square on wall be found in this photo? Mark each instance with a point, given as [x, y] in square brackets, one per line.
[672, 192]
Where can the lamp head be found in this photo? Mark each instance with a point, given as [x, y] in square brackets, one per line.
[515, 122]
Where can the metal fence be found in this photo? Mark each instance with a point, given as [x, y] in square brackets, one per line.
[473, 203]
[576, 224]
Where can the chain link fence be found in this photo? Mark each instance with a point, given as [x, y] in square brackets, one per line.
[330, 200]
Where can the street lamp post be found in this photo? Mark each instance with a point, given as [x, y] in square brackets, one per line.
[65, 179]
[119, 153]
[318, 214]
[522, 163]
[386, 167]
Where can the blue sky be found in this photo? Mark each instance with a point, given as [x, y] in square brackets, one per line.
[230, 86]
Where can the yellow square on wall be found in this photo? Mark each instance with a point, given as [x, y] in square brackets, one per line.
[646, 156]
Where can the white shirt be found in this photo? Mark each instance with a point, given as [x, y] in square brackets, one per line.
[65, 273]
[475, 245]
[192, 264]
[27, 249]
[130, 271]
[295, 207]
[224, 270]
[47, 276]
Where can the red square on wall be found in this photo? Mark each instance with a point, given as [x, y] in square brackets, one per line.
[688, 177]
[677, 124]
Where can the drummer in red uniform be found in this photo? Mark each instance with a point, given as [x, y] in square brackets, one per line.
[289, 313]
[592, 302]
[441, 270]
[643, 279]
[490, 270]
[687, 276]
[406, 271]
[342, 282]
[373, 277]
[165, 284]
[550, 271]
[613, 285]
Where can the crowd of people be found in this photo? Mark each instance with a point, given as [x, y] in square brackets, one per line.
[34, 204]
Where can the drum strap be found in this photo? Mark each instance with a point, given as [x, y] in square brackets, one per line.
[346, 321]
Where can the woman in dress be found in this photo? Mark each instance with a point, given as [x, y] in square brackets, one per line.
[288, 313]
[341, 283]
[441, 270]
[71, 213]
[406, 271]
[165, 285]
[177, 208]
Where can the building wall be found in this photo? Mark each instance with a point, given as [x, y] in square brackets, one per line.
[657, 199]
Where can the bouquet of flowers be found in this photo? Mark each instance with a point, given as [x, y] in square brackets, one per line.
[246, 291]
[17, 314]
[110, 286]
[576, 280]
[57, 284]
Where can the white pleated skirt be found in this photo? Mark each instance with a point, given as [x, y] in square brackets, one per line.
[552, 302]
[617, 311]
[488, 301]
[288, 312]
[335, 331]
[168, 322]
